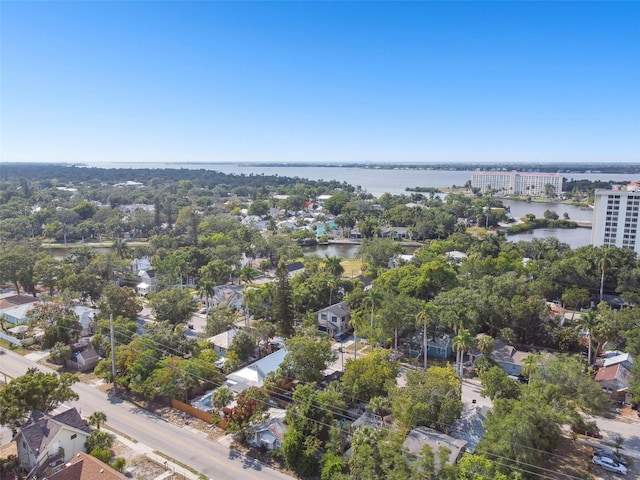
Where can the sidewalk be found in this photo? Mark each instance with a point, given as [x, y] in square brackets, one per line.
[149, 453]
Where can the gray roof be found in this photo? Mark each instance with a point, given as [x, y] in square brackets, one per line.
[85, 314]
[41, 428]
[295, 266]
[507, 353]
[421, 436]
[254, 374]
[340, 309]
[224, 339]
[89, 354]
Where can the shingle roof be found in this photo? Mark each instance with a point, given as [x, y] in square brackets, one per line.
[14, 300]
[86, 467]
[88, 354]
[340, 309]
[41, 428]
[292, 267]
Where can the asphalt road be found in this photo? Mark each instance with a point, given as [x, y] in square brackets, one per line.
[183, 444]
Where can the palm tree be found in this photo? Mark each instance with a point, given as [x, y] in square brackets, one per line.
[530, 365]
[373, 300]
[221, 397]
[379, 405]
[333, 266]
[206, 289]
[331, 285]
[97, 418]
[589, 322]
[426, 317]
[486, 345]
[247, 274]
[462, 343]
[121, 248]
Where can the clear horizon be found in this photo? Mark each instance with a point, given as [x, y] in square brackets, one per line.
[335, 82]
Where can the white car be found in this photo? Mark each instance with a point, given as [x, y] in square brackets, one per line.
[603, 452]
[609, 464]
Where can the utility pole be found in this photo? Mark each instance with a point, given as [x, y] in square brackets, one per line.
[113, 353]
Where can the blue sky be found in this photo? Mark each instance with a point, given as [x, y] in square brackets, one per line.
[143, 81]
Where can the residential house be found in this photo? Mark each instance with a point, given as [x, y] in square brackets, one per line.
[85, 467]
[142, 263]
[232, 294]
[255, 222]
[613, 358]
[470, 425]
[46, 441]
[439, 347]
[288, 225]
[322, 199]
[148, 283]
[129, 183]
[420, 437]
[369, 419]
[394, 233]
[455, 257]
[222, 341]
[15, 307]
[128, 211]
[253, 375]
[294, 268]
[508, 357]
[399, 260]
[615, 374]
[86, 316]
[83, 360]
[269, 433]
[354, 234]
[335, 318]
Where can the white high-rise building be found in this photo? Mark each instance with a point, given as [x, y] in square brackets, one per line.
[615, 218]
[516, 183]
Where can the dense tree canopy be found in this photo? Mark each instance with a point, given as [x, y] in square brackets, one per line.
[34, 391]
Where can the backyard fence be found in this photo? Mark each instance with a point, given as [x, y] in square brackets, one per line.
[193, 411]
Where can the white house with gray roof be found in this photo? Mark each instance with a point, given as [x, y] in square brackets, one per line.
[253, 375]
[334, 318]
[46, 439]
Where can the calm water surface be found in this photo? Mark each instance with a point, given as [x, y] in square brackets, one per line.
[374, 181]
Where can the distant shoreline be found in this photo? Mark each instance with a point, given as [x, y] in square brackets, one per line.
[565, 168]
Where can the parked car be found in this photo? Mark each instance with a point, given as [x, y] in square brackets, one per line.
[341, 336]
[609, 464]
[604, 452]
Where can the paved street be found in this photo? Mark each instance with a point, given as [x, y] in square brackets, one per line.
[185, 445]
[190, 447]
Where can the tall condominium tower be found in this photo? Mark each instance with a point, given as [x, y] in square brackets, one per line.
[615, 217]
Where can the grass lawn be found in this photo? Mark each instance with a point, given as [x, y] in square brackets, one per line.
[352, 267]
[13, 348]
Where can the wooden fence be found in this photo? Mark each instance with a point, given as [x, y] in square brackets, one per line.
[193, 411]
